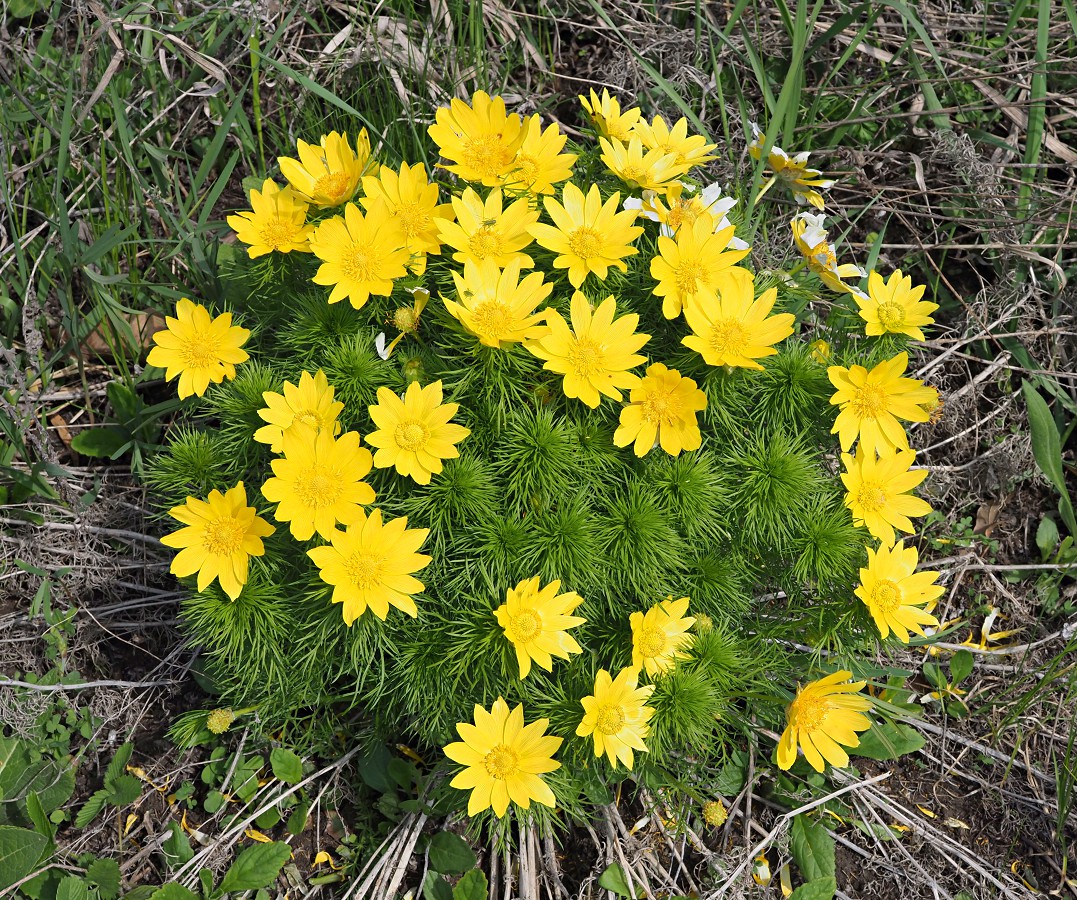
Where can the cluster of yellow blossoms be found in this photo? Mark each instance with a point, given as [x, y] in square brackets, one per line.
[373, 225]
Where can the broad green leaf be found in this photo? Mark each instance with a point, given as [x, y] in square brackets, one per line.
[105, 874]
[103, 440]
[39, 817]
[732, 775]
[812, 847]
[961, 665]
[451, 854]
[473, 886]
[72, 888]
[91, 809]
[286, 765]
[173, 892]
[613, 879]
[1047, 449]
[177, 848]
[13, 762]
[256, 867]
[1047, 537]
[888, 741]
[297, 821]
[818, 889]
[119, 763]
[123, 790]
[374, 769]
[435, 887]
[20, 849]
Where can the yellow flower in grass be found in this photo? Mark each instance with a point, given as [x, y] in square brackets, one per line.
[615, 715]
[495, 305]
[536, 622]
[894, 591]
[310, 405]
[317, 483]
[200, 349]
[810, 237]
[483, 230]
[652, 169]
[878, 491]
[277, 221]
[480, 139]
[660, 635]
[689, 152]
[595, 354]
[414, 434]
[736, 329]
[895, 305]
[327, 174]
[684, 207]
[361, 255]
[825, 715]
[608, 119]
[539, 164]
[370, 565]
[504, 759]
[792, 171]
[412, 201]
[690, 267]
[222, 533]
[872, 402]
[662, 412]
[590, 235]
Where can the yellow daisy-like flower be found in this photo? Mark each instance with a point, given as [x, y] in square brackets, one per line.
[412, 201]
[737, 329]
[894, 591]
[504, 759]
[662, 412]
[414, 434]
[539, 164]
[370, 564]
[660, 636]
[222, 533]
[689, 152]
[480, 139]
[894, 305]
[810, 237]
[690, 267]
[198, 348]
[495, 305]
[792, 171]
[327, 174]
[825, 714]
[317, 483]
[589, 235]
[483, 231]
[310, 405]
[872, 402]
[685, 207]
[878, 491]
[609, 121]
[616, 717]
[652, 170]
[536, 621]
[595, 354]
[277, 221]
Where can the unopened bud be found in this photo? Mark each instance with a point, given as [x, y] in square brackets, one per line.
[704, 624]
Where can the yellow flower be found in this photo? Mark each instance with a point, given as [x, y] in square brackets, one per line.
[660, 636]
[689, 152]
[878, 491]
[872, 402]
[820, 351]
[311, 405]
[327, 174]
[277, 221]
[317, 482]
[894, 305]
[662, 412]
[504, 759]
[539, 164]
[893, 591]
[415, 434]
[404, 319]
[793, 172]
[220, 536]
[653, 169]
[536, 621]
[480, 139]
[413, 202]
[495, 305]
[737, 329]
[607, 117]
[596, 354]
[197, 348]
[589, 235]
[370, 564]
[616, 717]
[811, 240]
[690, 268]
[684, 208]
[482, 231]
[822, 717]
[361, 255]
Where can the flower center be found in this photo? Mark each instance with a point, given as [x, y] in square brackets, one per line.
[633, 173]
[414, 219]
[404, 318]
[358, 263]
[501, 762]
[334, 185]
[729, 336]
[886, 595]
[492, 318]
[682, 213]
[809, 712]
[365, 569]
[277, 232]
[651, 642]
[223, 537]
[658, 408]
[201, 351]
[527, 169]
[688, 274]
[891, 315]
[308, 417]
[411, 435]
[822, 258]
[318, 487]
[524, 626]
[585, 243]
[486, 242]
[869, 402]
[486, 154]
[870, 497]
[611, 719]
[585, 357]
